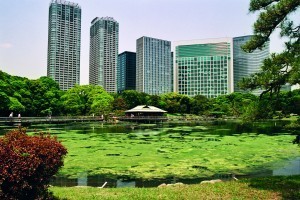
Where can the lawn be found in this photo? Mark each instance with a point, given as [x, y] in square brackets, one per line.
[255, 188]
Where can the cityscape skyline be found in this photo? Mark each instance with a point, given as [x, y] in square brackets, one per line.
[136, 19]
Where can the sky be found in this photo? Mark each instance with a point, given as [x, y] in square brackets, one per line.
[24, 27]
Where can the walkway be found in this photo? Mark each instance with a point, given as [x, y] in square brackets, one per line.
[38, 120]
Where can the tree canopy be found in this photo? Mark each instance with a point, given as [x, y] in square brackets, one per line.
[86, 99]
[42, 97]
[282, 68]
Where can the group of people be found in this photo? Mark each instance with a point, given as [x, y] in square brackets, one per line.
[11, 115]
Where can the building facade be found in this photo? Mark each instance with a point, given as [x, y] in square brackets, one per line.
[64, 34]
[203, 67]
[246, 64]
[104, 44]
[126, 72]
[153, 66]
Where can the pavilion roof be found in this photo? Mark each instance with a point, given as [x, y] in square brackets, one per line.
[145, 108]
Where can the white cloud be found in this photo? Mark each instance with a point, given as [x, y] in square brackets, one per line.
[6, 45]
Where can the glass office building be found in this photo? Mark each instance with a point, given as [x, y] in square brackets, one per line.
[203, 67]
[153, 66]
[104, 44]
[64, 30]
[246, 64]
[126, 72]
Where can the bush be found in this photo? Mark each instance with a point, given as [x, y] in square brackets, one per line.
[27, 164]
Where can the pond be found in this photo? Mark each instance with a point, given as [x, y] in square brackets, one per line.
[141, 155]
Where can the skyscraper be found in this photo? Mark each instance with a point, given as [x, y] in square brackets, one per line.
[153, 63]
[104, 43]
[246, 64]
[64, 30]
[126, 73]
[213, 67]
[203, 67]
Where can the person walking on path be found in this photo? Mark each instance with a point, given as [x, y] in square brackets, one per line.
[11, 116]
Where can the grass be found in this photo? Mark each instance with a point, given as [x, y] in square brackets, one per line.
[255, 188]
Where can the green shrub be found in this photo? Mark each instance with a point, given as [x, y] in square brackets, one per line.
[27, 164]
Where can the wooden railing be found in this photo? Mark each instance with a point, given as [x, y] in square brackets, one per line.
[48, 119]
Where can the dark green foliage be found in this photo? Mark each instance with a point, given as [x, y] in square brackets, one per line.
[45, 96]
[273, 14]
[200, 105]
[134, 98]
[27, 163]
[119, 105]
[280, 68]
[42, 97]
[273, 75]
[29, 97]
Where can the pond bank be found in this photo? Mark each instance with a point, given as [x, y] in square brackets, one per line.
[256, 188]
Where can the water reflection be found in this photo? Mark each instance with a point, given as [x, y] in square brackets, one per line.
[292, 168]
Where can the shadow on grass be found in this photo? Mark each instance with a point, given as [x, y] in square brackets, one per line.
[288, 186]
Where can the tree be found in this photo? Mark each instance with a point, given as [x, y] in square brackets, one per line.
[101, 101]
[273, 75]
[200, 104]
[134, 98]
[119, 104]
[76, 100]
[86, 99]
[175, 103]
[280, 68]
[44, 95]
[273, 14]
[15, 105]
[154, 100]
[4, 102]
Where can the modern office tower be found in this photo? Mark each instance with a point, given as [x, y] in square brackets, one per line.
[245, 64]
[203, 67]
[104, 43]
[126, 72]
[172, 71]
[64, 29]
[153, 66]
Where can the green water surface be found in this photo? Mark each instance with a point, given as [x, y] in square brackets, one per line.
[188, 150]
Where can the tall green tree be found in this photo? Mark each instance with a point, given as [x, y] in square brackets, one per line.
[86, 99]
[176, 103]
[44, 97]
[280, 68]
[102, 102]
[134, 98]
[200, 104]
